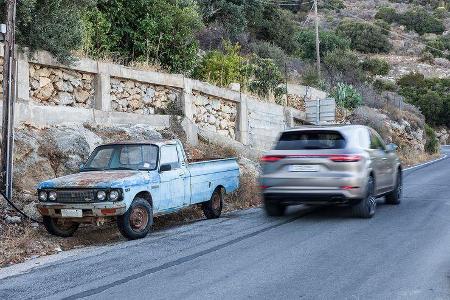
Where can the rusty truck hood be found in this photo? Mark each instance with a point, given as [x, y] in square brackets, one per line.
[98, 179]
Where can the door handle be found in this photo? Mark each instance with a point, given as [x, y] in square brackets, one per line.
[181, 174]
[384, 158]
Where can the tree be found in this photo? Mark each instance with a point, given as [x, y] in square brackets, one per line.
[52, 25]
[157, 31]
[329, 41]
[364, 36]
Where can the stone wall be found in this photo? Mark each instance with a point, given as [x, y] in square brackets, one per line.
[142, 98]
[215, 114]
[59, 86]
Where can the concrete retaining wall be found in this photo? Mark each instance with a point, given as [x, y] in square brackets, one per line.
[90, 91]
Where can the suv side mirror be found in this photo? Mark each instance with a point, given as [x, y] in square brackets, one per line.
[165, 168]
[391, 147]
[81, 167]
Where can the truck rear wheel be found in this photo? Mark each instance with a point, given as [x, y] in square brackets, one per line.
[136, 222]
[59, 226]
[213, 208]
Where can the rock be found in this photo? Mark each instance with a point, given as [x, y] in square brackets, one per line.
[13, 219]
[235, 86]
[172, 97]
[31, 211]
[215, 104]
[43, 81]
[45, 92]
[211, 119]
[81, 96]
[65, 98]
[42, 72]
[75, 82]
[134, 104]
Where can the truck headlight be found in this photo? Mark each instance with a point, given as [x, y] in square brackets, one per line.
[114, 195]
[52, 196]
[43, 196]
[101, 195]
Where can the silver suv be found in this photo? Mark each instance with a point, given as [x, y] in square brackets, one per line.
[339, 165]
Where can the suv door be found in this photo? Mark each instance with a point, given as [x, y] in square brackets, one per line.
[379, 161]
[172, 190]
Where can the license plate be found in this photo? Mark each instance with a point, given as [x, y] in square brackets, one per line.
[72, 213]
[304, 168]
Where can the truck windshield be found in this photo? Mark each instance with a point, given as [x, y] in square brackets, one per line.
[309, 139]
[123, 157]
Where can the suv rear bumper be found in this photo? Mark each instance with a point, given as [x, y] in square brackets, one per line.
[318, 197]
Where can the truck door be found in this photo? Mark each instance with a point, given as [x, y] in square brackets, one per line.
[172, 186]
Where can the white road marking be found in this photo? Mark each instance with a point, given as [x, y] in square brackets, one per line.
[427, 163]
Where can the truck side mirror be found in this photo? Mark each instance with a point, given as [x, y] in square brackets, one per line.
[165, 168]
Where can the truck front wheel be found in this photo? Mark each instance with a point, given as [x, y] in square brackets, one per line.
[136, 222]
[213, 208]
[59, 226]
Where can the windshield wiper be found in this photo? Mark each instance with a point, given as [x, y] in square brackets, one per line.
[91, 169]
[123, 168]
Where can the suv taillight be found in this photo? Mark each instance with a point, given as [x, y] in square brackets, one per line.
[272, 158]
[345, 157]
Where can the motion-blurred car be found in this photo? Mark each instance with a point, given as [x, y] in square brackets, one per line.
[322, 165]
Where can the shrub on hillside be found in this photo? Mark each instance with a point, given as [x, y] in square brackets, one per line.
[346, 96]
[419, 20]
[431, 95]
[376, 66]
[332, 4]
[221, 68]
[269, 50]
[266, 78]
[388, 14]
[343, 65]
[439, 47]
[329, 41]
[154, 31]
[364, 36]
[384, 85]
[432, 142]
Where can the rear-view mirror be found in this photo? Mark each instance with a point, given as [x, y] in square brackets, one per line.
[165, 168]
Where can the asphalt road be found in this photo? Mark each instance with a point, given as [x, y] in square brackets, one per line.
[402, 253]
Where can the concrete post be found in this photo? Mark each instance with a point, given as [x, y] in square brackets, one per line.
[242, 121]
[23, 79]
[103, 88]
[188, 124]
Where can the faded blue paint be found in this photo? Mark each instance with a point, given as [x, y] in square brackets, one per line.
[196, 182]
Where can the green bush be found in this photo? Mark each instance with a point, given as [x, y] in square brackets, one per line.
[364, 36]
[384, 85]
[432, 145]
[266, 78]
[439, 47]
[332, 4]
[311, 78]
[419, 20]
[343, 65]
[387, 14]
[155, 31]
[221, 68]
[431, 95]
[269, 50]
[347, 96]
[329, 41]
[376, 66]
[52, 25]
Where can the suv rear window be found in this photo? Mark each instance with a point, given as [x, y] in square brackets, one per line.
[310, 139]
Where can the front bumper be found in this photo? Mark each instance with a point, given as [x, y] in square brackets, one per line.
[104, 209]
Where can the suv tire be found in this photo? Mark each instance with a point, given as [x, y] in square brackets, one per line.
[395, 196]
[274, 209]
[366, 207]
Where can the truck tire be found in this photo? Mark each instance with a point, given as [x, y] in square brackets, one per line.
[136, 222]
[213, 208]
[395, 196]
[366, 207]
[59, 226]
[274, 209]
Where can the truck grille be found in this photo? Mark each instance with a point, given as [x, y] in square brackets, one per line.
[75, 196]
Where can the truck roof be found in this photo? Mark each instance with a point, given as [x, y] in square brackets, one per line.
[336, 127]
[143, 142]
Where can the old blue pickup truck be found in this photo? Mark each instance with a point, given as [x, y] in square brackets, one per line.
[132, 182]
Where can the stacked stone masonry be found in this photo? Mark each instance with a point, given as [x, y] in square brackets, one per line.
[215, 114]
[142, 98]
[58, 86]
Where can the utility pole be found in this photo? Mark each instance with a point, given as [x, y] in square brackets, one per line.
[316, 18]
[9, 93]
